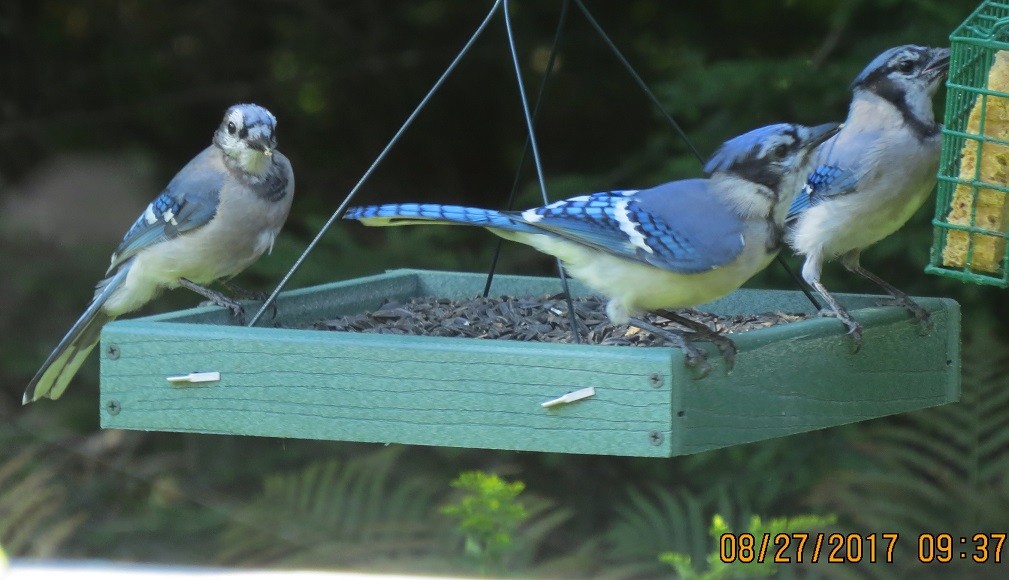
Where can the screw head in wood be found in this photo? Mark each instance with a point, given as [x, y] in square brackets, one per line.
[655, 379]
[112, 351]
[655, 438]
[113, 407]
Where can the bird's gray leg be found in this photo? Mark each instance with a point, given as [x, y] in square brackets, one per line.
[216, 297]
[811, 274]
[851, 262]
[696, 357]
[725, 344]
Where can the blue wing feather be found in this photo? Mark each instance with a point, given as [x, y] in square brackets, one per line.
[837, 171]
[678, 226]
[824, 182]
[689, 229]
[586, 219]
[189, 201]
[683, 226]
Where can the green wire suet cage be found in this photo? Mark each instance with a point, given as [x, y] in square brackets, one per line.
[972, 202]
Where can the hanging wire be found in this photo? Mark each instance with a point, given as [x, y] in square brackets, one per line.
[374, 165]
[537, 162]
[551, 60]
[676, 126]
[639, 80]
[530, 144]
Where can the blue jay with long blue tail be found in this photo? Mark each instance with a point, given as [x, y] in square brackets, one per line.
[874, 174]
[216, 217]
[671, 246]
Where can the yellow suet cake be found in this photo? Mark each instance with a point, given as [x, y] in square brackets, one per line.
[990, 206]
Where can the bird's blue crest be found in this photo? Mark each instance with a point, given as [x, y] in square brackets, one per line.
[881, 60]
[253, 115]
[743, 146]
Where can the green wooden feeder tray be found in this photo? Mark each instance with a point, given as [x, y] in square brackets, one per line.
[460, 392]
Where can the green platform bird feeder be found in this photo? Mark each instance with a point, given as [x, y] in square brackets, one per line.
[197, 371]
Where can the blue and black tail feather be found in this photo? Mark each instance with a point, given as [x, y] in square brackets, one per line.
[402, 214]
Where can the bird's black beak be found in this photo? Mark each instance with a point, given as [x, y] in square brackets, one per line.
[263, 144]
[821, 133]
[939, 65]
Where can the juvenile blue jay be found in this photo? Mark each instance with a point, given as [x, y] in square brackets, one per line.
[671, 246]
[215, 218]
[874, 174]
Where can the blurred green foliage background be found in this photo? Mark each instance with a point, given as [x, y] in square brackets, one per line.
[102, 101]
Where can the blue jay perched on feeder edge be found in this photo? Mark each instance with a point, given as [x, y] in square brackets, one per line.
[675, 245]
[216, 217]
[874, 174]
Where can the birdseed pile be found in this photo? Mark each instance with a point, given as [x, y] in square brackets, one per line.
[530, 318]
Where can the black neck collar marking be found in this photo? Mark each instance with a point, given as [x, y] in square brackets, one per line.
[895, 95]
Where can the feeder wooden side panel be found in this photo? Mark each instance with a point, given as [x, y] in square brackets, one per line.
[786, 383]
[390, 389]
[487, 394]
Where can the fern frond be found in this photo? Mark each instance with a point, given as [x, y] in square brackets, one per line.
[942, 469]
[658, 521]
[32, 506]
[335, 514]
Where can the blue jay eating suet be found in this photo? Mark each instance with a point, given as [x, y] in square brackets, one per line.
[671, 246]
[874, 174]
[215, 218]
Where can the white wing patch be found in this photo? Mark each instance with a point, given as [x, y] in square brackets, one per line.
[149, 216]
[169, 217]
[629, 226]
[530, 215]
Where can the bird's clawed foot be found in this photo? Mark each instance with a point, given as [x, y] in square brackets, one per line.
[246, 294]
[854, 328]
[726, 347]
[217, 299]
[704, 332]
[923, 318]
[695, 357]
[234, 308]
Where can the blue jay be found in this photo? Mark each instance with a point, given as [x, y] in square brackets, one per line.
[872, 176]
[219, 214]
[671, 246]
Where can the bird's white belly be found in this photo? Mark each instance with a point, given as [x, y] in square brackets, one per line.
[855, 221]
[634, 287]
[887, 197]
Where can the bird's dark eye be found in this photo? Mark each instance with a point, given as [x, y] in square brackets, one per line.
[231, 128]
[905, 66]
[780, 151]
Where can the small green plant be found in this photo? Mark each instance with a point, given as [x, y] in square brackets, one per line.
[488, 514]
[721, 565]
